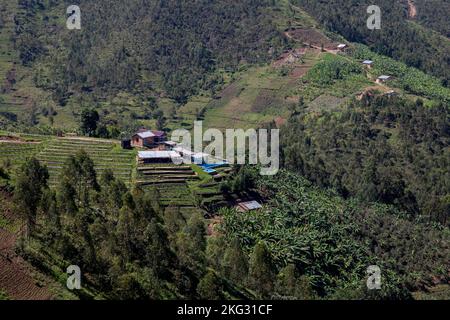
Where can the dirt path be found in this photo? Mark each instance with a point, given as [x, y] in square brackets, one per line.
[412, 10]
[16, 274]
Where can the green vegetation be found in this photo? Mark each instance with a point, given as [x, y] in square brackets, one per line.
[398, 38]
[105, 153]
[331, 242]
[381, 148]
[365, 178]
[406, 78]
[3, 296]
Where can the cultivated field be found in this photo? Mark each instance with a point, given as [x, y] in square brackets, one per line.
[105, 154]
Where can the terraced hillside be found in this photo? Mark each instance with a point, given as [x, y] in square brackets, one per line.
[8, 57]
[13, 154]
[170, 182]
[104, 153]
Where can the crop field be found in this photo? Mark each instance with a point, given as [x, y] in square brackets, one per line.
[13, 155]
[170, 181]
[105, 154]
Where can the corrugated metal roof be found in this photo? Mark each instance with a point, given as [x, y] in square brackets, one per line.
[145, 134]
[158, 154]
[250, 205]
[367, 61]
[384, 77]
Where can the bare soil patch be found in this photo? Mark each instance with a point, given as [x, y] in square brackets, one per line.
[16, 274]
[412, 9]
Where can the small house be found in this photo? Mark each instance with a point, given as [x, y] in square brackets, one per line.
[150, 157]
[383, 78]
[368, 63]
[341, 46]
[148, 138]
[142, 139]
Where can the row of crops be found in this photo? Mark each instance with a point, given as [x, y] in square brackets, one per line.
[13, 155]
[170, 182]
[105, 154]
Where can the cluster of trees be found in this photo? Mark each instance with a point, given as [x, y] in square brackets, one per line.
[130, 247]
[385, 149]
[434, 15]
[329, 242]
[399, 39]
[143, 45]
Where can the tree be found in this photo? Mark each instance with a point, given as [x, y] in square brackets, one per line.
[191, 243]
[158, 252]
[291, 285]
[89, 120]
[80, 177]
[209, 287]
[161, 123]
[261, 273]
[30, 185]
[235, 263]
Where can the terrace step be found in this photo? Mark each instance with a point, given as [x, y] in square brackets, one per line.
[155, 172]
[157, 168]
[166, 181]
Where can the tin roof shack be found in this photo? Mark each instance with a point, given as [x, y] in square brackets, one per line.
[149, 157]
[341, 46]
[368, 63]
[248, 206]
[383, 79]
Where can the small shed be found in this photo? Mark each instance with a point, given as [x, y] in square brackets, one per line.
[368, 63]
[147, 157]
[383, 78]
[248, 206]
[341, 46]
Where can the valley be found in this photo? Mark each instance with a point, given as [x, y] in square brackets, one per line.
[364, 150]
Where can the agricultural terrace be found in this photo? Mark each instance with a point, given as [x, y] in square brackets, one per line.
[105, 154]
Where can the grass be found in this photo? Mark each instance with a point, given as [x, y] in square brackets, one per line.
[3, 295]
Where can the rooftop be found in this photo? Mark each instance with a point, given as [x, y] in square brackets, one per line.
[367, 62]
[158, 154]
[384, 77]
[249, 205]
[145, 134]
[158, 133]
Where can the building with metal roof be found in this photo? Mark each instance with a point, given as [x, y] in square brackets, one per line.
[248, 206]
[145, 157]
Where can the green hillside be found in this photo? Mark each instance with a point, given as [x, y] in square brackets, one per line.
[364, 177]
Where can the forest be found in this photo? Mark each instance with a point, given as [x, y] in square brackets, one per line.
[306, 243]
[143, 46]
[380, 148]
